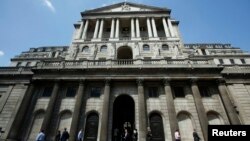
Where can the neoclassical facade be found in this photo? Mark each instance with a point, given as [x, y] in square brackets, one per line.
[125, 67]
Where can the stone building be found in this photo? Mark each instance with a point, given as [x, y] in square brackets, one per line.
[126, 67]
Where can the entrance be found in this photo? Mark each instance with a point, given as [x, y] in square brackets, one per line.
[123, 116]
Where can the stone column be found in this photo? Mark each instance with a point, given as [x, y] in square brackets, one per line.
[77, 111]
[85, 29]
[20, 116]
[132, 28]
[154, 28]
[171, 108]
[105, 112]
[200, 108]
[165, 27]
[80, 30]
[50, 108]
[149, 28]
[96, 29]
[112, 28]
[142, 111]
[138, 35]
[101, 29]
[117, 28]
[171, 28]
[231, 112]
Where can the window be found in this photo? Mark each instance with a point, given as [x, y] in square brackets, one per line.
[95, 92]
[53, 54]
[85, 49]
[71, 92]
[153, 92]
[221, 61]
[165, 47]
[178, 91]
[103, 48]
[243, 61]
[142, 28]
[47, 91]
[204, 91]
[232, 61]
[147, 60]
[146, 48]
[203, 51]
[28, 64]
[108, 29]
[19, 64]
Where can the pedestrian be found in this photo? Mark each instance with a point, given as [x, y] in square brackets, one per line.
[40, 136]
[177, 135]
[196, 136]
[127, 136]
[135, 135]
[58, 136]
[65, 135]
[149, 134]
[80, 135]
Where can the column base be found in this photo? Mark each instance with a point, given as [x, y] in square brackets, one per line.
[136, 39]
[114, 39]
[154, 38]
[96, 40]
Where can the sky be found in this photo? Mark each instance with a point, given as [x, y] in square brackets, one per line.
[35, 23]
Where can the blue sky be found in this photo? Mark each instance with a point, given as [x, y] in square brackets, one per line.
[34, 23]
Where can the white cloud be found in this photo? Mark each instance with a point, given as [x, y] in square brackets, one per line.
[1, 53]
[49, 4]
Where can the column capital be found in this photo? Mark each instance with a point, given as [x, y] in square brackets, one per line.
[107, 81]
[193, 81]
[166, 81]
[221, 81]
[139, 81]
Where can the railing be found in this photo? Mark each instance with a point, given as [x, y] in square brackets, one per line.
[127, 63]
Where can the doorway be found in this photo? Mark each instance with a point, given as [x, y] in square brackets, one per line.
[123, 116]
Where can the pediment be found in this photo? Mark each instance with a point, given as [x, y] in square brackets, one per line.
[125, 7]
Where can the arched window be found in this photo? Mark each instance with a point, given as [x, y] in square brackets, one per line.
[214, 119]
[91, 128]
[146, 47]
[65, 120]
[36, 125]
[185, 126]
[103, 48]
[156, 126]
[85, 49]
[165, 47]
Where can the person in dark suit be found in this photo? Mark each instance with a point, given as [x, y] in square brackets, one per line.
[127, 136]
[65, 135]
[196, 136]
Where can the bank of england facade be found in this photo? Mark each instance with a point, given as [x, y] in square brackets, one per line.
[126, 66]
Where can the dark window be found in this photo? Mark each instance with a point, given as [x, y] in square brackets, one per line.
[53, 54]
[204, 91]
[103, 48]
[232, 61]
[146, 48]
[95, 92]
[178, 91]
[147, 60]
[47, 91]
[165, 47]
[71, 92]
[28, 64]
[156, 126]
[243, 61]
[91, 127]
[85, 49]
[203, 51]
[153, 92]
[142, 29]
[221, 61]
[108, 29]
[19, 64]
